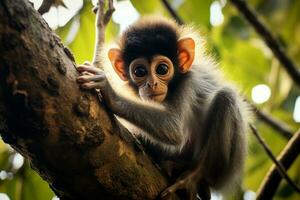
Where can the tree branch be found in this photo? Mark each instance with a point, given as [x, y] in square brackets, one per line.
[277, 125]
[278, 165]
[269, 39]
[172, 12]
[288, 155]
[70, 140]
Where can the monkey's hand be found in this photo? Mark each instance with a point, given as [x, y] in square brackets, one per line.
[92, 77]
[190, 183]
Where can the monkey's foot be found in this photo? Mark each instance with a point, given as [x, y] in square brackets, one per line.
[187, 182]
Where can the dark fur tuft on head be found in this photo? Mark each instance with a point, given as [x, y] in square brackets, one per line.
[149, 37]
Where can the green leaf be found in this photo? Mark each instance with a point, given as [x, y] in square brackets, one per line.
[83, 41]
[237, 28]
[196, 11]
[245, 64]
[9, 187]
[83, 44]
[34, 187]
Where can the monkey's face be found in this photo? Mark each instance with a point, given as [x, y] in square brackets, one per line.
[151, 76]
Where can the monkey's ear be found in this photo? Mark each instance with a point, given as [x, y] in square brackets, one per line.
[186, 54]
[115, 57]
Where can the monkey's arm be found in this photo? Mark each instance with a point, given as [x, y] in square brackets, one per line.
[162, 124]
[159, 122]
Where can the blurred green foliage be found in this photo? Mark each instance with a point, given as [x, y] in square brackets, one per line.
[242, 56]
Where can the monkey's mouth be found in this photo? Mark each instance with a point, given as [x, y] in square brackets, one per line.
[155, 95]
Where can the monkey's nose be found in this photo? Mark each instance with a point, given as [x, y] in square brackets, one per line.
[152, 85]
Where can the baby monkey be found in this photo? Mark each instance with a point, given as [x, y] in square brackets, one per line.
[186, 115]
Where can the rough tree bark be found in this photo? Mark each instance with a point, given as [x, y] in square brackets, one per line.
[71, 141]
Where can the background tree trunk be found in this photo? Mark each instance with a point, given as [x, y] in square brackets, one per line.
[71, 141]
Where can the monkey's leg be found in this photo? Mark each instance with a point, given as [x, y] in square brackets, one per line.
[220, 150]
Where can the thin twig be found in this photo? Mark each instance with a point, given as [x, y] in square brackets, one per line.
[102, 19]
[172, 12]
[280, 168]
[277, 125]
[287, 156]
[269, 39]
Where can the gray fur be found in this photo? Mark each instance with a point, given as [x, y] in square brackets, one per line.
[205, 113]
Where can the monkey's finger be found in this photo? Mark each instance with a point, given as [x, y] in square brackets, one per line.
[87, 63]
[178, 185]
[87, 73]
[91, 85]
[88, 78]
[91, 69]
[165, 193]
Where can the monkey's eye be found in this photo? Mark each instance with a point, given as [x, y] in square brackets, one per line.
[140, 71]
[162, 69]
